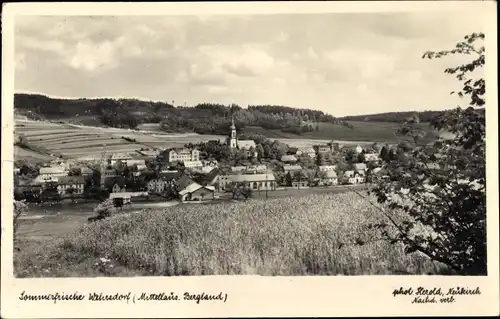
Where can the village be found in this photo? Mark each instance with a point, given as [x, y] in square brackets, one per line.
[191, 175]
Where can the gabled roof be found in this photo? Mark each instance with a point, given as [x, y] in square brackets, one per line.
[120, 156]
[111, 181]
[212, 175]
[330, 174]
[292, 167]
[168, 176]
[348, 174]
[71, 180]
[183, 182]
[192, 163]
[306, 149]
[327, 167]
[360, 172]
[359, 166]
[252, 177]
[194, 187]
[246, 144]
[52, 170]
[288, 158]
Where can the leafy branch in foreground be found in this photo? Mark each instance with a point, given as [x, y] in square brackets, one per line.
[439, 190]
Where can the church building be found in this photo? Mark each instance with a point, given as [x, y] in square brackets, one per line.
[246, 145]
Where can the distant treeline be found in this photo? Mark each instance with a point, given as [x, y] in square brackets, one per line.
[204, 118]
[397, 117]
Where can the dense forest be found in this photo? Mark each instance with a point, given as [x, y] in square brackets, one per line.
[204, 118]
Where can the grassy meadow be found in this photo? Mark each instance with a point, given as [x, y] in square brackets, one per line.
[308, 235]
[82, 142]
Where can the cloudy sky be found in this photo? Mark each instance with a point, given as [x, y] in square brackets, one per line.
[343, 64]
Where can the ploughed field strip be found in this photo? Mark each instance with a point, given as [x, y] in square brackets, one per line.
[85, 144]
[63, 137]
[96, 150]
[29, 155]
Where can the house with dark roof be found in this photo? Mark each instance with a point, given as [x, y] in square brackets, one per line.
[163, 181]
[65, 183]
[212, 178]
[115, 184]
[328, 177]
[182, 182]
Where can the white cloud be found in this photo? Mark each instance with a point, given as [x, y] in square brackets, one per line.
[90, 56]
[297, 60]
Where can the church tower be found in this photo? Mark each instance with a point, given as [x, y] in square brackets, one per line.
[233, 142]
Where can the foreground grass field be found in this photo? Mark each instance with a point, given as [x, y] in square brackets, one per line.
[309, 235]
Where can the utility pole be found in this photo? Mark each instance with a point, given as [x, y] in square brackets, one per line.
[103, 165]
[267, 185]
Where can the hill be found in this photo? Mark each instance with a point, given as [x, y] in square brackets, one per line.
[394, 117]
[306, 235]
[204, 118]
[213, 119]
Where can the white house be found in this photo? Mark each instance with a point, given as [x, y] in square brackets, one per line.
[309, 151]
[256, 169]
[197, 192]
[132, 162]
[193, 164]
[236, 169]
[359, 166]
[328, 178]
[124, 158]
[371, 157]
[265, 181]
[323, 149]
[288, 159]
[86, 171]
[76, 183]
[183, 155]
[354, 177]
[210, 163]
[292, 168]
[50, 174]
[324, 168]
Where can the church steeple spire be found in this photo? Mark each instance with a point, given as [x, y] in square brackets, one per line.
[233, 141]
[233, 127]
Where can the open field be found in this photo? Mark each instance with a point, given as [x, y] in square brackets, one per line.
[29, 155]
[76, 141]
[362, 131]
[307, 235]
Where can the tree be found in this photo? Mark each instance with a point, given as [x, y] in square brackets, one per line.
[118, 202]
[19, 209]
[50, 192]
[105, 209]
[383, 153]
[75, 171]
[267, 151]
[442, 188]
[361, 157]
[71, 191]
[260, 150]
[288, 179]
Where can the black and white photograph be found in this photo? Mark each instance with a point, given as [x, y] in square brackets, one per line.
[275, 145]
[285, 156]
